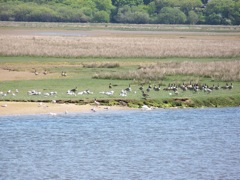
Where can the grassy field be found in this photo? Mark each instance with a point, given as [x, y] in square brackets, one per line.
[35, 56]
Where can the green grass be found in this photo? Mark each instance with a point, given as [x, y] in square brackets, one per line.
[82, 78]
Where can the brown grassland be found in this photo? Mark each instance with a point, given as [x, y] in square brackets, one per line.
[118, 44]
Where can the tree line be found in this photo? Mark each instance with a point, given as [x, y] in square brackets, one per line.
[225, 12]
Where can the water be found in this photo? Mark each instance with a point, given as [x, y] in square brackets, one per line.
[159, 144]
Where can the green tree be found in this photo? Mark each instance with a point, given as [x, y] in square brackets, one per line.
[41, 14]
[236, 13]
[220, 11]
[101, 17]
[104, 5]
[169, 15]
[159, 4]
[192, 17]
[189, 5]
[127, 14]
[121, 3]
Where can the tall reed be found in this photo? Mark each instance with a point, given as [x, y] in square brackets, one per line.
[60, 46]
[222, 70]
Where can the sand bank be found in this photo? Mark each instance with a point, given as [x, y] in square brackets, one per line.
[28, 108]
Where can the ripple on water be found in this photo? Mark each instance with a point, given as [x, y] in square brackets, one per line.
[158, 144]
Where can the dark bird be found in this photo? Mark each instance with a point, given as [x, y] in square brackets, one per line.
[128, 89]
[145, 95]
[110, 85]
[74, 90]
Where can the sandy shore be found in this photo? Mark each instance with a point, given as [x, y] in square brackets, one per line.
[28, 108]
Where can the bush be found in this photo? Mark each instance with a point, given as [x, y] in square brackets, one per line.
[101, 17]
[170, 15]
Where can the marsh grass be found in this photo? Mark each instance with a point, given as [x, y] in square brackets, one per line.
[220, 70]
[99, 46]
[101, 65]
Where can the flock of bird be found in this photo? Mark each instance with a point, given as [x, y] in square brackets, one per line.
[173, 89]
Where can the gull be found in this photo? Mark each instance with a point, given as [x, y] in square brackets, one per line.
[52, 114]
[109, 93]
[93, 109]
[145, 107]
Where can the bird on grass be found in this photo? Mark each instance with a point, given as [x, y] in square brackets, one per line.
[145, 95]
[74, 90]
[128, 89]
[35, 72]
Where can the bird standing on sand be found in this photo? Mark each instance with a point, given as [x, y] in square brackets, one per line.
[96, 102]
[45, 72]
[35, 72]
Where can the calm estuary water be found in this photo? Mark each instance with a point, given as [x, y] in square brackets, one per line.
[121, 145]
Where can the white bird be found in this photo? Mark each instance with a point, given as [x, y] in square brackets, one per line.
[4, 105]
[146, 108]
[52, 114]
[96, 102]
[93, 109]
[109, 93]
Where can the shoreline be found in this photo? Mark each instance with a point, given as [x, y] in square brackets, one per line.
[36, 108]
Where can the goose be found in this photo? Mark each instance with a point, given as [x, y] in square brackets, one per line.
[157, 88]
[45, 72]
[145, 95]
[35, 72]
[64, 73]
[74, 90]
[230, 86]
[128, 89]
[226, 86]
[148, 89]
[217, 87]
[207, 90]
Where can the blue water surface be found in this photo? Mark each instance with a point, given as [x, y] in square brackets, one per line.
[121, 145]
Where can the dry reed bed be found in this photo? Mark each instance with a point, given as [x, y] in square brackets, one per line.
[222, 70]
[60, 46]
